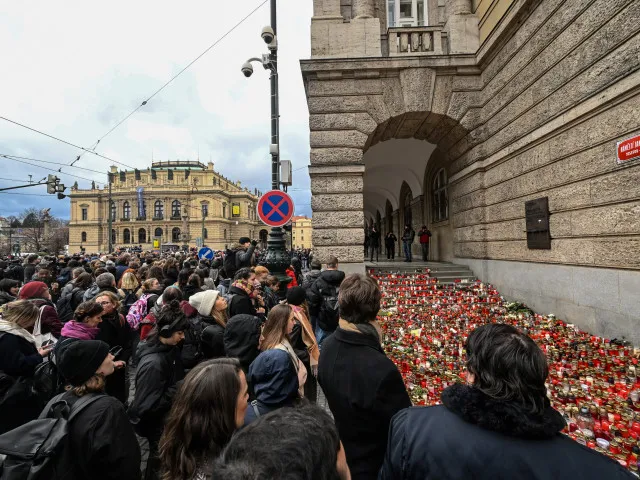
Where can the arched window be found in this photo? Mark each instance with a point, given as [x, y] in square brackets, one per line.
[83, 236]
[142, 236]
[205, 232]
[389, 216]
[224, 211]
[225, 233]
[406, 204]
[175, 208]
[126, 236]
[175, 235]
[440, 210]
[158, 209]
[126, 210]
[113, 236]
[113, 210]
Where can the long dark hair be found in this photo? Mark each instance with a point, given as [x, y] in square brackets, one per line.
[202, 418]
[275, 328]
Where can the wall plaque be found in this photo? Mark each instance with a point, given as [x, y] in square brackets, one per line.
[537, 218]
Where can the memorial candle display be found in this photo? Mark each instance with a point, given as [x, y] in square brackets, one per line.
[592, 380]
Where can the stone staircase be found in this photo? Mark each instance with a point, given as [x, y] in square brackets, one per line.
[445, 272]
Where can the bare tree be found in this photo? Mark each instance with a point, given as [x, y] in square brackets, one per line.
[32, 230]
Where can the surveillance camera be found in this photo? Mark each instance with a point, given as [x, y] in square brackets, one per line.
[267, 35]
[247, 69]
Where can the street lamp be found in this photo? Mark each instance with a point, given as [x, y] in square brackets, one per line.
[277, 259]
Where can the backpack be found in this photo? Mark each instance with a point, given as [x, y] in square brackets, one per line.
[192, 346]
[129, 300]
[40, 450]
[329, 313]
[137, 312]
[66, 306]
[229, 263]
[64, 279]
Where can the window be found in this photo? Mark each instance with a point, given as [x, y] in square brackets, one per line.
[126, 236]
[158, 209]
[175, 208]
[158, 232]
[225, 233]
[205, 210]
[408, 214]
[126, 211]
[205, 233]
[175, 235]
[142, 236]
[113, 210]
[83, 237]
[440, 205]
[85, 214]
[224, 211]
[407, 13]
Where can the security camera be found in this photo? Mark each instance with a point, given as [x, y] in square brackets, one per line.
[247, 69]
[267, 35]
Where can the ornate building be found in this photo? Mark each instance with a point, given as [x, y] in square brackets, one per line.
[457, 113]
[301, 232]
[171, 202]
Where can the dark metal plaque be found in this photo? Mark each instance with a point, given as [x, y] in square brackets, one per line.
[537, 216]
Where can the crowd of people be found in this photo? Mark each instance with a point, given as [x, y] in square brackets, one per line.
[225, 361]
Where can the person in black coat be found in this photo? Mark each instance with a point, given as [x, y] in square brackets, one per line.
[242, 339]
[209, 323]
[101, 437]
[19, 358]
[115, 332]
[363, 387]
[8, 290]
[499, 426]
[158, 375]
[242, 290]
[325, 286]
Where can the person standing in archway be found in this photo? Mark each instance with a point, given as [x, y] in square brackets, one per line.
[425, 236]
[407, 239]
[390, 245]
[374, 243]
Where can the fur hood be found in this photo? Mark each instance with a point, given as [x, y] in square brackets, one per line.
[507, 418]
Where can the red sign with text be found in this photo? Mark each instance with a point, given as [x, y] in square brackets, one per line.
[629, 149]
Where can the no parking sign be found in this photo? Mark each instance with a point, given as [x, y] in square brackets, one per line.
[275, 208]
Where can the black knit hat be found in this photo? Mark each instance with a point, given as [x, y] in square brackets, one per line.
[81, 359]
[244, 240]
[296, 296]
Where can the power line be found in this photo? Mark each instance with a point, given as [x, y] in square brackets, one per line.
[15, 179]
[53, 170]
[65, 142]
[5, 155]
[145, 102]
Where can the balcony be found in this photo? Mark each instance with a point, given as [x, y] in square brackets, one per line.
[415, 41]
[125, 219]
[176, 217]
[141, 219]
[157, 218]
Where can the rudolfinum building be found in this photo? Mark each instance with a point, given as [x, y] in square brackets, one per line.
[177, 202]
[508, 127]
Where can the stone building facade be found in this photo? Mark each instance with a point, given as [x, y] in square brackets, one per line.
[181, 201]
[302, 232]
[457, 123]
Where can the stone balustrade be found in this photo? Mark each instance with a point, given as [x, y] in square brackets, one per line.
[415, 41]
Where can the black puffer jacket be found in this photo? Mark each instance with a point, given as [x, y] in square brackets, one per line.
[324, 286]
[116, 332]
[241, 303]
[202, 341]
[157, 376]
[473, 436]
[241, 339]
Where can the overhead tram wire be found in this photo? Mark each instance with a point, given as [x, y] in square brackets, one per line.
[57, 171]
[145, 102]
[6, 155]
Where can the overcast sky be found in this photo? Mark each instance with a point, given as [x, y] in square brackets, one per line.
[74, 69]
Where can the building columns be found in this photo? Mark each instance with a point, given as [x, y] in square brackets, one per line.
[363, 8]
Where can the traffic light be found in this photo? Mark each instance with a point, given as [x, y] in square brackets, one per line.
[51, 183]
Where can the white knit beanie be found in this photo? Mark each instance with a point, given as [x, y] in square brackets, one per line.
[204, 301]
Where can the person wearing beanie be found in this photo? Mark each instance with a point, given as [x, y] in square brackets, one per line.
[303, 340]
[38, 294]
[363, 387]
[8, 290]
[205, 339]
[101, 436]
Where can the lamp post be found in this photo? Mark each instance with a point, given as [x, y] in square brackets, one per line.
[277, 259]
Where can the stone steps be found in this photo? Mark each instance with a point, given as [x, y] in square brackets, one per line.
[445, 272]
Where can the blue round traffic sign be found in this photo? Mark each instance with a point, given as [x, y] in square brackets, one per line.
[205, 253]
[275, 208]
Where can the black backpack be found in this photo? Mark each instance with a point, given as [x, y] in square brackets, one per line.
[329, 313]
[192, 346]
[39, 450]
[129, 299]
[229, 263]
[66, 306]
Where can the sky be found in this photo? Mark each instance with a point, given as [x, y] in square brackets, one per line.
[74, 69]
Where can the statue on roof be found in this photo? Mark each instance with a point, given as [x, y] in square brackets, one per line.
[75, 185]
[93, 185]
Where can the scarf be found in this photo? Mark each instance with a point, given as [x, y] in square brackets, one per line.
[13, 329]
[244, 285]
[308, 336]
[81, 331]
[301, 370]
[371, 328]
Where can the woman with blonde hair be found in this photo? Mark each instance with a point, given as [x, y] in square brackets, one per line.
[19, 358]
[116, 333]
[275, 335]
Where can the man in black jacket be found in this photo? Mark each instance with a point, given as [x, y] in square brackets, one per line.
[241, 292]
[321, 296]
[363, 387]
[499, 426]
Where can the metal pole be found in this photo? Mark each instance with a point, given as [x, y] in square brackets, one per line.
[275, 104]
[110, 221]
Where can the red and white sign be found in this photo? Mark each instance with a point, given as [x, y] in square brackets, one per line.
[629, 149]
[275, 208]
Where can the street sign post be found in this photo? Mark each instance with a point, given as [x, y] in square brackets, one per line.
[275, 208]
[205, 253]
